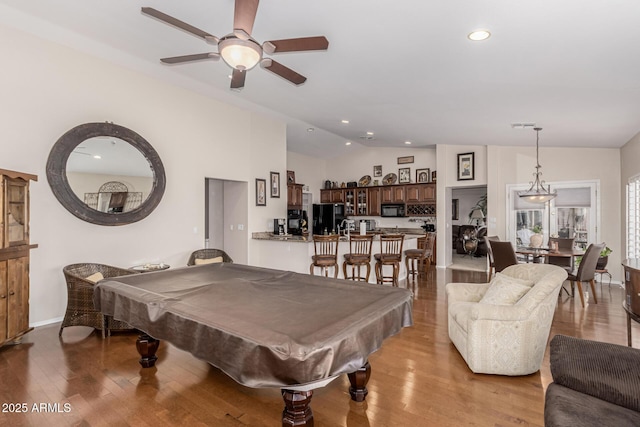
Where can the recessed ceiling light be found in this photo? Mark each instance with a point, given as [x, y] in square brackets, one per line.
[369, 133]
[310, 129]
[347, 143]
[345, 121]
[97, 156]
[408, 142]
[479, 35]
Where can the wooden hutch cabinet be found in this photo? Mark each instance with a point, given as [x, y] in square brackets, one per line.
[14, 255]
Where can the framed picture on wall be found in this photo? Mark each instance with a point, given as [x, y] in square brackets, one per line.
[455, 209]
[261, 192]
[275, 184]
[404, 175]
[466, 167]
[423, 175]
[291, 177]
[404, 160]
[377, 170]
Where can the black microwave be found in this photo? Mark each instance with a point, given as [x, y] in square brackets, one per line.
[392, 210]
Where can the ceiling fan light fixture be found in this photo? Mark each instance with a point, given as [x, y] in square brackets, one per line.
[240, 54]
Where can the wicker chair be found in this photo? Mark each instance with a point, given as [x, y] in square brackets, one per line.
[208, 254]
[80, 309]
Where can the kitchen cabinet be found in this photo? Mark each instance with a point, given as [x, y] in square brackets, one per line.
[334, 195]
[294, 196]
[419, 193]
[392, 194]
[14, 255]
[373, 201]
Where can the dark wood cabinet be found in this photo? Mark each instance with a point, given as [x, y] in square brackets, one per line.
[373, 201]
[14, 255]
[334, 195]
[392, 194]
[420, 193]
[294, 196]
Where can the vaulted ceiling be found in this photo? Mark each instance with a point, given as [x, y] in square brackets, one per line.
[403, 70]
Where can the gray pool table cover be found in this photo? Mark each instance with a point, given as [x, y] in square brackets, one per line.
[262, 327]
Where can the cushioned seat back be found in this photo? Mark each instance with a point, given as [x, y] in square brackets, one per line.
[547, 281]
[503, 254]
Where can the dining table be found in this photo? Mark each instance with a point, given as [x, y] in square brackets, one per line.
[533, 254]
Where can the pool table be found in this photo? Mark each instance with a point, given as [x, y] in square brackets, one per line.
[262, 327]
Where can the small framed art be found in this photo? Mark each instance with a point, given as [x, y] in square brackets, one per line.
[404, 160]
[466, 167]
[423, 175]
[291, 177]
[261, 192]
[377, 170]
[404, 175]
[275, 184]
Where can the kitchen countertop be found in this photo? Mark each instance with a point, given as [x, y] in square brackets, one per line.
[410, 233]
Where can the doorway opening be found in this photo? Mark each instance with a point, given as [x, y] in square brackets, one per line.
[226, 217]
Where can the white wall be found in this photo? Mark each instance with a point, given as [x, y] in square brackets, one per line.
[47, 89]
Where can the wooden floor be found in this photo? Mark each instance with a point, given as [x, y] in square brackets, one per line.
[418, 378]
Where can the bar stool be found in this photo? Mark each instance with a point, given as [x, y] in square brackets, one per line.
[390, 254]
[359, 255]
[420, 255]
[326, 254]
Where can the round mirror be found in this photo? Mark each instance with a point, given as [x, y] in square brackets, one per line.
[106, 174]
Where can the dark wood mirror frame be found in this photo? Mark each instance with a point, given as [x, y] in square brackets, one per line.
[57, 173]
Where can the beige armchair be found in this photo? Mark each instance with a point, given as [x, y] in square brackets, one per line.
[510, 338]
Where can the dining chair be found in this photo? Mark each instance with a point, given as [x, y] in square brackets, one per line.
[503, 254]
[415, 258]
[587, 271]
[492, 264]
[359, 255]
[326, 254]
[564, 244]
[390, 254]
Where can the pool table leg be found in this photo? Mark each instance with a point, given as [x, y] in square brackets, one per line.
[297, 411]
[147, 347]
[359, 380]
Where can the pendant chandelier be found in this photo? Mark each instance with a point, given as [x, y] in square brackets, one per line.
[537, 193]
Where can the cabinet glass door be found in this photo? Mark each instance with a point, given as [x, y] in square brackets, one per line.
[16, 221]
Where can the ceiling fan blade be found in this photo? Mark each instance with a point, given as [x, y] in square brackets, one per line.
[282, 71]
[209, 38]
[190, 58]
[237, 79]
[296, 45]
[244, 17]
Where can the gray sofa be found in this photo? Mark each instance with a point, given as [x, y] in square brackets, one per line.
[594, 384]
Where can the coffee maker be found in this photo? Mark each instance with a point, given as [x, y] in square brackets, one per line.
[280, 226]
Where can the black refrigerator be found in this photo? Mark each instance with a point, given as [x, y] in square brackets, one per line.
[327, 217]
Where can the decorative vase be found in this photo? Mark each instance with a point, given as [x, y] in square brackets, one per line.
[535, 240]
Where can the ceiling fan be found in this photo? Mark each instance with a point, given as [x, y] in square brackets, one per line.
[238, 49]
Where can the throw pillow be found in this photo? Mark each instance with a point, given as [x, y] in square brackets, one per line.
[95, 277]
[505, 290]
[208, 260]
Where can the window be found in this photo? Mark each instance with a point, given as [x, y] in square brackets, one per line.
[633, 217]
[573, 213]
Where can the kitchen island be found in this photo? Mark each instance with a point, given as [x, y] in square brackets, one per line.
[293, 253]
